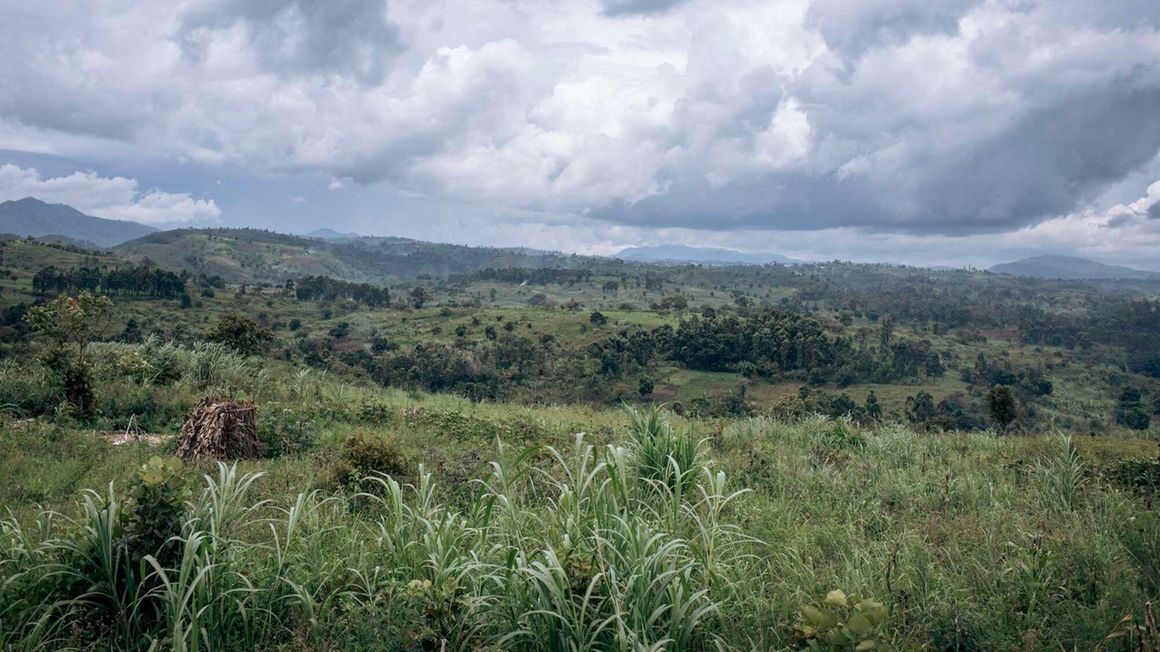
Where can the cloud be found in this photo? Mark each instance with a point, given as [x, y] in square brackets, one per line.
[630, 7]
[344, 37]
[895, 116]
[109, 197]
[852, 27]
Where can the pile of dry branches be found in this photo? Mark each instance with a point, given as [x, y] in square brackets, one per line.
[219, 429]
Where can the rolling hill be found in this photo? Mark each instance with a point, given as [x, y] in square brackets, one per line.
[32, 217]
[1071, 268]
[257, 256]
[703, 255]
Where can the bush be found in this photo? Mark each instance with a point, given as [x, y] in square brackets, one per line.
[838, 623]
[361, 457]
[242, 334]
[285, 432]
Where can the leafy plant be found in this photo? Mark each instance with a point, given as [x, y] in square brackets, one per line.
[841, 623]
[363, 456]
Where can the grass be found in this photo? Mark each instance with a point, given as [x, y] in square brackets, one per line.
[508, 530]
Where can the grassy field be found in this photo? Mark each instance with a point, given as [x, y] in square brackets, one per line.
[568, 527]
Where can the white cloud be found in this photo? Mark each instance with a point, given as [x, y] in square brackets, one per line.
[974, 116]
[110, 197]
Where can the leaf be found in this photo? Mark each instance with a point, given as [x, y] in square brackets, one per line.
[874, 610]
[865, 645]
[859, 625]
[822, 620]
[836, 597]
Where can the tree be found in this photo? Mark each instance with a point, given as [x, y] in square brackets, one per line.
[920, 408]
[340, 331]
[1001, 403]
[71, 322]
[646, 386]
[873, 407]
[241, 334]
[597, 318]
[419, 297]
[1130, 411]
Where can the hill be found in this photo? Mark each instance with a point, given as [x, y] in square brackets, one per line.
[1070, 268]
[32, 217]
[257, 256]
[331, 234]
[703, 255]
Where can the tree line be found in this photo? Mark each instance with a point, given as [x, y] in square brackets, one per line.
[139, 280]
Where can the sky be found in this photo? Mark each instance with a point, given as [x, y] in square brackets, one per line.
[956, 132]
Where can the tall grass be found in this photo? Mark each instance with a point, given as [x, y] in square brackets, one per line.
[639, 539]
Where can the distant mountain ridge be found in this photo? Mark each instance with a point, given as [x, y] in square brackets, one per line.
[242, 255]
[1071, 268]
[331, 234]
[32, 217]
[703, 255]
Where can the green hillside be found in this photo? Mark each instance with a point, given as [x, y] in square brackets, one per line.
[255, 256]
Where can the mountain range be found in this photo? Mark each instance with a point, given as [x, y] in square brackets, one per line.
[32, 217]
[703, 255]
[253, 255]
[1071, 268]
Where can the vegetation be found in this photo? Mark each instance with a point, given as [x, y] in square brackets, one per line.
[580, 455]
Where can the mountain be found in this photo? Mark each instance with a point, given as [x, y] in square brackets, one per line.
[705, 255]
[1071, 268]
[257, 256]
[331, 234]
[33, 217]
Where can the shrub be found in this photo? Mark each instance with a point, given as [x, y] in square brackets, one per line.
[242, 334]
[839, 623]
[363, 456]
[154, 512]
[285, 432]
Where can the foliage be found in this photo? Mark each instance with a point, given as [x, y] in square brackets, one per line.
[841, 623]
[362, 457]
[241, 334]
[71, 320]
[1001, 404]
[1130, 411]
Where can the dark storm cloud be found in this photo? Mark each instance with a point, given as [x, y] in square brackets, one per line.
[852, 27]
[338, 36]
[633, 7]
[1044, 164]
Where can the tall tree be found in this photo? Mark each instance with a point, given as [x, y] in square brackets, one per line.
[1001, 403]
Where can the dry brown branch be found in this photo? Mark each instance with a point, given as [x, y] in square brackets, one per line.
[219, 429]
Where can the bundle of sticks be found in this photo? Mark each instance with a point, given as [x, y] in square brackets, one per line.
[219, 429]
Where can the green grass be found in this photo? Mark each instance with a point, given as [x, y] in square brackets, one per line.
[510, 531]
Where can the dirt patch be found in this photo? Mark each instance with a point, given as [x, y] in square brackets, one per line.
[122, 438]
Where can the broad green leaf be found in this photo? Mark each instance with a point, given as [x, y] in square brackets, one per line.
[859, 625]
[823, 620]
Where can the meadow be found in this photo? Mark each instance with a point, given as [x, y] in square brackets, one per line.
[385, 518]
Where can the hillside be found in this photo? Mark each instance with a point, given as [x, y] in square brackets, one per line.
[32, 217]
[1070, 268]
[703, 255]
[256, 256]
